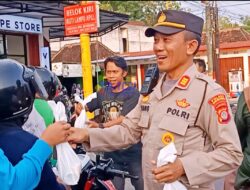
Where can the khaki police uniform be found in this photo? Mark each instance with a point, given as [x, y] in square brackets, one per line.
[196, 113]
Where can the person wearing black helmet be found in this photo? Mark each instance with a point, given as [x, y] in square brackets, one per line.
[40, 103]
[17, 93]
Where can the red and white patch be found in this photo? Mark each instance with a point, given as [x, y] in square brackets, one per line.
[221, 107]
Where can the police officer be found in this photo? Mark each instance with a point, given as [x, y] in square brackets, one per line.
[186, 107]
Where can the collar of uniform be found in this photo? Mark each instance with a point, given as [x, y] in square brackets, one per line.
[187, 77]
[157, 89]
[190, 72]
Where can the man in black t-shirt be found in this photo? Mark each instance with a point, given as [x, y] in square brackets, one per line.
[115, 101]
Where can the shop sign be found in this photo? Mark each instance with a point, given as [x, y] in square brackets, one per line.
[80, 19]
[45, 57]
[72, 70]
[57, 68]
[20, 24]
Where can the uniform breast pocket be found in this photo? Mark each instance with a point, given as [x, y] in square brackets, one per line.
[144, 120]
[177, 127]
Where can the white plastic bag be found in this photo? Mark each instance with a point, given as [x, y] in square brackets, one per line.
[168, 155]
[68, 164]
[35, 123]
[86, 100]
[59, 110]
[82, 118]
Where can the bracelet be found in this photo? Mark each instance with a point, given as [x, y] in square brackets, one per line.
[101, 125]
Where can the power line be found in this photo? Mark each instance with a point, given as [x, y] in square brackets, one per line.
[235, 5]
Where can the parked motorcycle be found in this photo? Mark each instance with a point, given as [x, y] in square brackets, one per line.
[98, 175]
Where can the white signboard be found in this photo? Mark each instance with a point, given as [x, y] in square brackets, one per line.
[235, 81]
[20, 24]
[57, 68]
[45, 57]
[72, 70]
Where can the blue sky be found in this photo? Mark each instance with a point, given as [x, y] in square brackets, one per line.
[232, 9]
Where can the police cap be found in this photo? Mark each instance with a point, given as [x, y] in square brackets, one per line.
[173, 21]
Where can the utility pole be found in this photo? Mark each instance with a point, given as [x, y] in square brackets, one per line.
[216, 44]
[212, 41]
[209, 38]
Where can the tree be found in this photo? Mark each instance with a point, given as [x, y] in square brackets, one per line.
[225, 22]
[145, 11]
[246, 23]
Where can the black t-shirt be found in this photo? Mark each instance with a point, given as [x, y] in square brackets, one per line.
[114, 105]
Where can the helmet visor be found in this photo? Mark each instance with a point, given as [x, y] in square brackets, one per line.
[38, 85]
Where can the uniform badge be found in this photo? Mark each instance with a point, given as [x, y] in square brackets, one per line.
[145, 99]
[162, 18]
[184, 81]
[182, 103]
[167, 138]
[221, 107]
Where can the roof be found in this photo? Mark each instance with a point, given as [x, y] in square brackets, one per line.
[51, 13]
[71, 53]
[136, 23]
[230, 35]
[232, 38]
[139, 53]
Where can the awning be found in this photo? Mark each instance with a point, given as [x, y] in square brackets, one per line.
[51, 13]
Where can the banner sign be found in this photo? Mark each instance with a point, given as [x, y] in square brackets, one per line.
[80, 19]
[20, 24]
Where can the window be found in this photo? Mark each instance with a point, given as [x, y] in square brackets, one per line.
[124, 45]
[131, 77]
[1, 45]
[13, 47]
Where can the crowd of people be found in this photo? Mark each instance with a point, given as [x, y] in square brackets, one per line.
[186, 107]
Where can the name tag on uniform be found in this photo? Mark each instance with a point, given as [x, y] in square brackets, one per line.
[144, 120]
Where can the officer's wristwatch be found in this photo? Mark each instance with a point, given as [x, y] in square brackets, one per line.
[101, 125]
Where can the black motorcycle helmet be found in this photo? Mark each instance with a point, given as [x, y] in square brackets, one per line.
[18, 85]
[49, 81]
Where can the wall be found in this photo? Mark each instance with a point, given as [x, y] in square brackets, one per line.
[136, 40]
[245, 55]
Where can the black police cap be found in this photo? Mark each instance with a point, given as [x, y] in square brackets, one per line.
[173, 21]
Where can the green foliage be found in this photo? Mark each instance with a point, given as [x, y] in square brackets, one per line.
[145, 11]
[225, 22]
[246, 23]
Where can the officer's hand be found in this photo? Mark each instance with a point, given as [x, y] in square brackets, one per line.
[168, 173]
[92, 124]
[56, 133]
[78, 135]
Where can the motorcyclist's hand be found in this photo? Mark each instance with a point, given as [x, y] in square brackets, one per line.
[78, 108]
[78, 135]
[92, 124]
[168, 173]
[56, 133]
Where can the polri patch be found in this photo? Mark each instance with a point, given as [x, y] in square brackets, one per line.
[182, 103]
[184, 81]
[167, 138]
[221, 107]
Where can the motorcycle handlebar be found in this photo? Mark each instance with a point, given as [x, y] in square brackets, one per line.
[120, 173]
